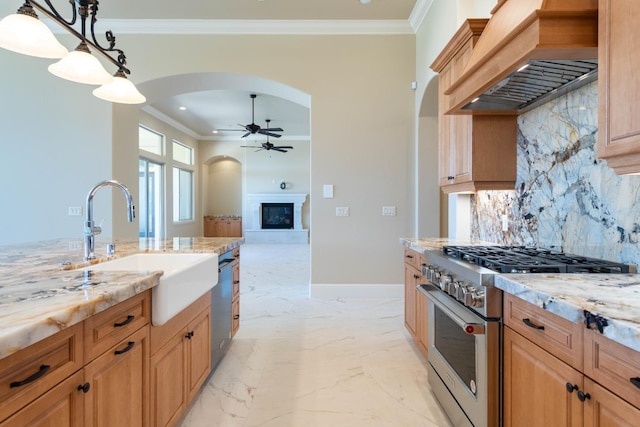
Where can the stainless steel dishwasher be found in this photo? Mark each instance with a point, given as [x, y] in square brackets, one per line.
[221, 295]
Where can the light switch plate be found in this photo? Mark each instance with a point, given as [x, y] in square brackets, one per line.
[342, 211]
[388, 210]
[327, 191]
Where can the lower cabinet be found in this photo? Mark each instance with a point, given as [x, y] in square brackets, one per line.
[60, 381]
[540, 389]
[535, 392]
[235, 298]
[62, 406]
[180, 361]
[415, 303]
[118, 380]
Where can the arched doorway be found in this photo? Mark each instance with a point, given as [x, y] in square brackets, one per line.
[125, 119]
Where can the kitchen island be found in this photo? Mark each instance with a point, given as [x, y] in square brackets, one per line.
[42, 290]
[77, 346]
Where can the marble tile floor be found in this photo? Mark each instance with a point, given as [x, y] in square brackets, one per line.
[301, 362]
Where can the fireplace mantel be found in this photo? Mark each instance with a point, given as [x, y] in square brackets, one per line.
[254, 231]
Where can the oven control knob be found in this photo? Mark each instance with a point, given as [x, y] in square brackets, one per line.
[444, 282]
[460, 291]
[435, 277]
[474, 298]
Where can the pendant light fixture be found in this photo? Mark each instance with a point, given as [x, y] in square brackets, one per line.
[24, 33]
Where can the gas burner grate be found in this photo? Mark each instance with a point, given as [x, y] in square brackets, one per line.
[524, 259]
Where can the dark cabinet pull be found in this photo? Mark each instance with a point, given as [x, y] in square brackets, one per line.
[410, 256]
[530, 324]
[583, 396]
[189, 335]
[84, 388]
[235, 282]
[236, 317]
[127, 348]
[126, 322]
[635, 381]
[415, 276]
[43, 370]
[571, 387]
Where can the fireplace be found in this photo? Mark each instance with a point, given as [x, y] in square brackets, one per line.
[277, 216]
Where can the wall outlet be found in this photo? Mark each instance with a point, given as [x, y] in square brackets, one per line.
[505, 223]
[388, 210]
[342, 211]
[75, 211]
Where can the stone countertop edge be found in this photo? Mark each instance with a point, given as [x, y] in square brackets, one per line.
[39, 298]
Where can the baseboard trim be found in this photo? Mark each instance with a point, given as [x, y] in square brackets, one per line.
[356, 291]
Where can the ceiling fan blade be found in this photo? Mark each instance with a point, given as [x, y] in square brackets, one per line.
[264, 132]
[279, 149]
[288, 147]
[275, 129]
[246, 135]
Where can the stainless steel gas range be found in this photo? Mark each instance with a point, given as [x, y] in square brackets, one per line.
[465, 321]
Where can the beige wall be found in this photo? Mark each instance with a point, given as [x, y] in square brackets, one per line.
[362, 125]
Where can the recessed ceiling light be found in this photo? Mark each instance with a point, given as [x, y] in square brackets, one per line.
[215, 131]
[182, 108]
[365, 1]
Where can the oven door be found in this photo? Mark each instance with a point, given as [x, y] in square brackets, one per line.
[464, 351]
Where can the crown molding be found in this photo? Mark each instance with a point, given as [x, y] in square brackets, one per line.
[252, 27]
[418, 13]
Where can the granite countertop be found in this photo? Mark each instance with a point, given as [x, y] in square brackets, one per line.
[42, 291]
[613, 297]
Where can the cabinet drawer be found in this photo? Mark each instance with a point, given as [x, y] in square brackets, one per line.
[39, 367]
[558, 336]
[106, 329]
[235, 316]
[413, 258]
[613, 365]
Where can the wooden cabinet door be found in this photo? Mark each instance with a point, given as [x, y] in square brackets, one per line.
[535, 386]
[198, 352]
[422, 319]
[411, 276]
[119, 384]
[235, 316]
[604, 409]
[62, 406]
[619, 84]
[168, 382]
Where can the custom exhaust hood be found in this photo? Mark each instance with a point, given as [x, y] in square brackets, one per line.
[530, 52]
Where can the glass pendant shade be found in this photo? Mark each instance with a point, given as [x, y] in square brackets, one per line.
[81, 67]
[120, 90]
[28, 35]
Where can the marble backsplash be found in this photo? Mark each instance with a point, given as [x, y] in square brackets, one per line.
[565, 197]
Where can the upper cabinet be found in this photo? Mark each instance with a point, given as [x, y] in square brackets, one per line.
[619, 85]
[475, 152]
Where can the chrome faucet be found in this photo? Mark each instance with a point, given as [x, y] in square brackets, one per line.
[90, 230]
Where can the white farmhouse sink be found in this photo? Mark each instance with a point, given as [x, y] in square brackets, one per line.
[186, 278]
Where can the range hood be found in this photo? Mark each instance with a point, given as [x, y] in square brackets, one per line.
[530, 52]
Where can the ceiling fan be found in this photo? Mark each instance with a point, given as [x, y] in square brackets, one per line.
[269, 146]
[253, 128]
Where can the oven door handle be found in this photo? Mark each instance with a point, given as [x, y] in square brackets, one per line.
[439, 299]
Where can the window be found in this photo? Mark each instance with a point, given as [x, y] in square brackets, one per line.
[182, 153]
[150, 201]
[151, 141]
[182, 194]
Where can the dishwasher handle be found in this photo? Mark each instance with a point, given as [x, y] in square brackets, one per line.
[225, 262]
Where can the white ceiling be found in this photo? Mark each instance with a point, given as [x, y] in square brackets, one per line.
[207, 111]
